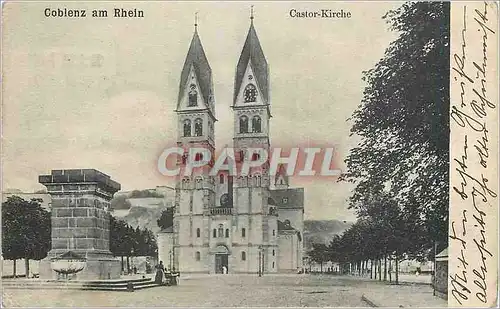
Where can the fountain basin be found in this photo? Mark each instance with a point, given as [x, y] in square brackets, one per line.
[68, 263]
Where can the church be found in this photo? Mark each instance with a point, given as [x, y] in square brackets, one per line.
[222, 223]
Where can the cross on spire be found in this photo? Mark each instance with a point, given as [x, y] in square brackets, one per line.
[251, 13]
[195, 21]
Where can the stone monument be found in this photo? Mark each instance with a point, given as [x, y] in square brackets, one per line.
[80, 221]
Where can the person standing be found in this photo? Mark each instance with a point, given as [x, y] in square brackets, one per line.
[160, 269]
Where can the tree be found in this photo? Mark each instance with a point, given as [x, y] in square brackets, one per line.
[26, 231]
[151, 246]
[319, 254]
[117, 232]
[120, 202]
[126, 241]
[403, 123]
[166, 219]
[145, 193]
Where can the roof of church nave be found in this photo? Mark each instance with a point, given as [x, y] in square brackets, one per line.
[288, 198]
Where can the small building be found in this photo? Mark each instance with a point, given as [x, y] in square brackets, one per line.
[441, 275]
[290, 247]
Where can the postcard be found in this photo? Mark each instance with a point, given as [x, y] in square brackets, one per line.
[249, 154]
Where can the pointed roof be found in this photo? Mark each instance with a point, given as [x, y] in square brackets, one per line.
[281, 173]
[252, 51]
[196, 57]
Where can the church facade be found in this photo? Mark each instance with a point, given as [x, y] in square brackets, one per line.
[222, 223]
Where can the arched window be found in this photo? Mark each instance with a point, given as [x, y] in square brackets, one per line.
[256, 124]
[243, 232]
[273, 252]
[187, 127]
[198, 183]
[258, 180]
[198, 156]
[185, 183]
[221, 231]
[227, 233]
[243, 124]
[193, 96]
[224, 200]
[250, 94]
[274, 233]
[243, 256]
[198, 127]
[198, 233]
[221, 178]
[197, 255]
[215, 233]
[273, 264]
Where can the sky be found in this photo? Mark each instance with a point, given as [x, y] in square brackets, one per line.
[101, 93]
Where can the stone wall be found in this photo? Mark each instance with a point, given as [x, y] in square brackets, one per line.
[80, 221]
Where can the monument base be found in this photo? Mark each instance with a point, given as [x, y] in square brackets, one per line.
[99, 266]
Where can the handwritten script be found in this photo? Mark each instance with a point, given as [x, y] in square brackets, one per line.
[473, 167]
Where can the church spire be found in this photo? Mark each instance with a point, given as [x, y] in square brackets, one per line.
[252, 53]
[197, 60]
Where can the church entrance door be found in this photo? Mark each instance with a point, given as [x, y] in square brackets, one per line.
[221, 263]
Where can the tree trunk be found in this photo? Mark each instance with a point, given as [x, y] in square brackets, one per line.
[123, 264]
[27, 267]
[128, 264]
[397, 270]
[371, 269]
[379, 269]
[321, 267]
[385, 268]
[390, 270]
[14, 274]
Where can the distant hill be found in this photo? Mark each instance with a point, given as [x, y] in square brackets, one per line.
[143, 212]
[322, 231]
[143, 217]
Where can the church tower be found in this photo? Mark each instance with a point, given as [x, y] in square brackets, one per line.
[251, 111]
[195, 194]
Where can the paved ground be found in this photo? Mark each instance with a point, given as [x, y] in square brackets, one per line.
[226, 291]
[403, 295]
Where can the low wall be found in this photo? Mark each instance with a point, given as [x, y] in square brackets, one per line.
[8, 267]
